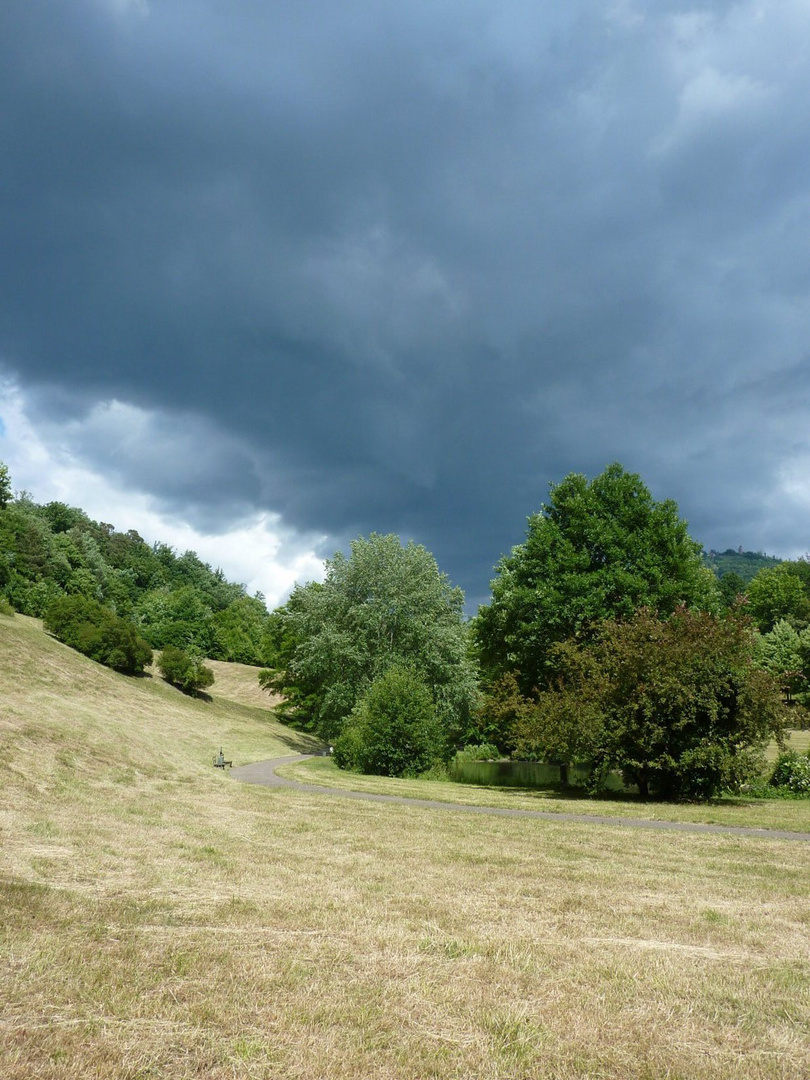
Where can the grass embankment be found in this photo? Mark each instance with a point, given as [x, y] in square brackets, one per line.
[161, 920]
[790, 814]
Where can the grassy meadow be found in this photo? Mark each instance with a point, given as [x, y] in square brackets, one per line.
[792, 815]
[161, 920]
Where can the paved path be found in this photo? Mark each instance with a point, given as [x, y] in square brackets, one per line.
[264, 772]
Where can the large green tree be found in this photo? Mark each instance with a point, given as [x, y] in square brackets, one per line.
[596, 550]
[677, 705]
[238, 630]
[778, 593]
[385, 605]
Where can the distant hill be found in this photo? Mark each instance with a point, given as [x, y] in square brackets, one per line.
[52, 551]
[745, 563]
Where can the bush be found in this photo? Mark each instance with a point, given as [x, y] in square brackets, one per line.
[792, 771]
[5, 607]
[96, 631]
[393, 730]
[438, 771]
[348, 749]
[183, 670]
[480, 752]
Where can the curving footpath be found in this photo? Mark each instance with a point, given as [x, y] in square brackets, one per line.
[264, 772]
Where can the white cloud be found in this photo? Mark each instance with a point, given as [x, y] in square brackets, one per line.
[259, 552]
[712, 99]
[124, 7]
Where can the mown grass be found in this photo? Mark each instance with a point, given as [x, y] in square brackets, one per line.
[790, 814]
[161, 920]
[797, 740]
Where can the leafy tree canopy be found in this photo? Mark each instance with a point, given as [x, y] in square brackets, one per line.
[783, 652]
[731, 587]
[597, 550]
[677, 705]
[56, 550]
[6, 491]
[96, 631]
[776, 593]
[238, 631]
[385, 605]
[393, 729]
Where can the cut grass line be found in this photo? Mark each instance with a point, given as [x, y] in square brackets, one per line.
[699, 951]
[253, 932]
[101, 1021]
[779, 815]
[176, 931]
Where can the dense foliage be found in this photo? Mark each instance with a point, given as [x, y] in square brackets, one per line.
[95, 630]
[785, 653]
[393, 729]
[6, 490]
[677, 705]
[383, 606]
[52, 551]
[776, 593]
[185, 671]
[608, 640]
[600, 549]
[792, 773]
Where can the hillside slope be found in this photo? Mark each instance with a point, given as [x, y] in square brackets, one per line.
[161, 920]
[747, 564]
[58, 704]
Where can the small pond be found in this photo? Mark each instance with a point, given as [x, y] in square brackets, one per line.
[528, 774]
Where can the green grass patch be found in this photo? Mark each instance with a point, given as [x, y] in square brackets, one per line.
[792, 815]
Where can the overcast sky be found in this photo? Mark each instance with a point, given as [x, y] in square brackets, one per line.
[273, 275]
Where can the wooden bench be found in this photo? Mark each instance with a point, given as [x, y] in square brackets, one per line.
[219, 761]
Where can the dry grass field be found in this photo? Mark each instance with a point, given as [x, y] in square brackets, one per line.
[161, 920]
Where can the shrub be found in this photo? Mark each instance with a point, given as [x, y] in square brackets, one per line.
[186, 671]
[393, 730]
[438, 771]
[5, 607]
[792, 771]
[480, 752]
[96, 631]
[348, 749]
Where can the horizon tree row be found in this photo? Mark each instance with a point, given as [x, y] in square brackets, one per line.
[53, 551]
[604, 569]
[379, 661]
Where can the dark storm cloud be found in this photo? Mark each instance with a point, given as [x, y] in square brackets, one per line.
[397, 267]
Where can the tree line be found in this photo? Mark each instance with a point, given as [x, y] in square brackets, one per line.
[607, 642]
[97, 587]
